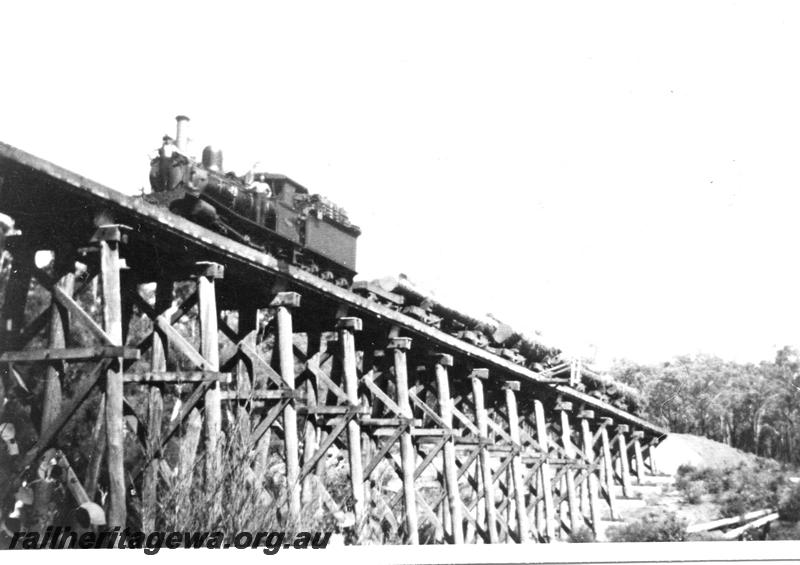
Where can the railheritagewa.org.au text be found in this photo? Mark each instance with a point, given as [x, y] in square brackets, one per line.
[153, 542]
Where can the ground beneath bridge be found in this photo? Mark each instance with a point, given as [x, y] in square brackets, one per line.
[660, 494]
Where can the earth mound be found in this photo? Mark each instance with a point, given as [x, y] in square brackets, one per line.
[687, 449]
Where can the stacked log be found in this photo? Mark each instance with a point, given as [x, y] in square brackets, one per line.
[486, 331]
[614, 392]
[489, 333]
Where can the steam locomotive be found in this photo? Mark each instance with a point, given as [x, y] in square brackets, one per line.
[267, 211]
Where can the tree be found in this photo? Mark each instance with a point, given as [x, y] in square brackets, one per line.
[754, 407]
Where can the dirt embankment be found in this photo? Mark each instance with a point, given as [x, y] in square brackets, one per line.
[701, 452]
[686, 449]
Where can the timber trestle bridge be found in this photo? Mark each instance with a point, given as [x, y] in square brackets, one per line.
[438, 441]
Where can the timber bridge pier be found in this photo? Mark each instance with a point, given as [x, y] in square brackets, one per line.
[194, 337]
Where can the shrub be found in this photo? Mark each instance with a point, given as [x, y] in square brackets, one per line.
[694, 493]
[653, 527]
[789, 506]
[713, 479]
[715, 483]
[582, 535]
[683, 476]
[694, 482]
[781, 530]
[748, 486]
[733, 505]
[751, 487]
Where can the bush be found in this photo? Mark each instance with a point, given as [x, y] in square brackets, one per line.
[684, 476]
[694, 493]
[789, 506]
[582, 535]
[734, 505]
[746, 487]
[780, 530]
[695, 482]
[752, 487]
[713, 479]
[653, 527]
[715, 483]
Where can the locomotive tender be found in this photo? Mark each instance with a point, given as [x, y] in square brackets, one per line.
[268, 211]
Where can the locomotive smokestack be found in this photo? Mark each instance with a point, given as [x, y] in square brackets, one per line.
[182, 132]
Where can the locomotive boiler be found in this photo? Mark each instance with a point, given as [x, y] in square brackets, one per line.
[268, 211]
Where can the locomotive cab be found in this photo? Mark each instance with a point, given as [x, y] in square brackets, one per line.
[269, 211]
[313, 221]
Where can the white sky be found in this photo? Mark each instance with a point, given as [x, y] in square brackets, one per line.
[621, 176]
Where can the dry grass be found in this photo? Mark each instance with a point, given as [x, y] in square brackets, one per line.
[241, 495]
